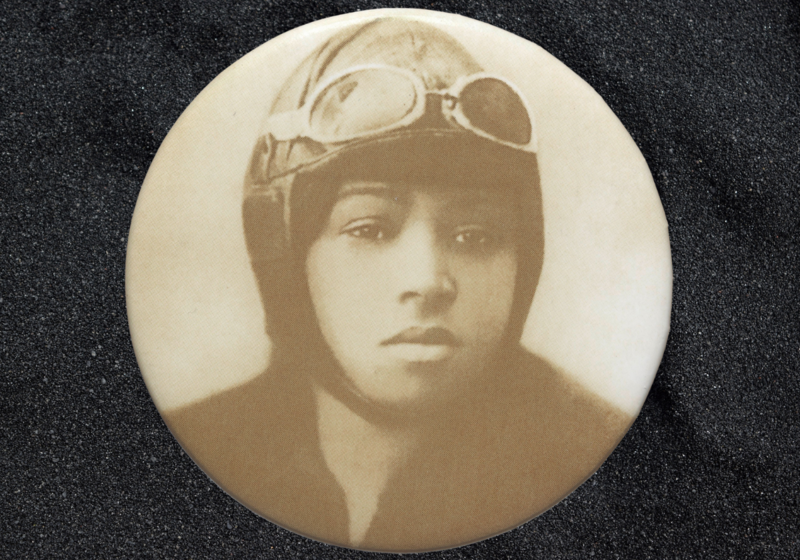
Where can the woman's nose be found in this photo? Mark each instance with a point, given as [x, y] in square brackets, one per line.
[423, 269]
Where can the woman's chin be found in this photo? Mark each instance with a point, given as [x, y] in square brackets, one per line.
[410, 392]
[413, 378]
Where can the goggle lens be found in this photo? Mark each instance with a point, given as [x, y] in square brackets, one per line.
[493, 107]
[362, 102]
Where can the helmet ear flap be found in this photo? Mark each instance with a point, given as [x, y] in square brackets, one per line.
[266, 232]
[264, 226]
[264, 211]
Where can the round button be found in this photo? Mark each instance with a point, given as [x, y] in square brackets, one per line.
[398, 281]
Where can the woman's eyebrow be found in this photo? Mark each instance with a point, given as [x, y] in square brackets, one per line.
[374, 189]
[482, 199]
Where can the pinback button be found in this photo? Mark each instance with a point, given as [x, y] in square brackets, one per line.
[398, 281]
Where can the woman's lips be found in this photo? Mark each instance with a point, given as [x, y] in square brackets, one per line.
[423, 335]
[422, 344]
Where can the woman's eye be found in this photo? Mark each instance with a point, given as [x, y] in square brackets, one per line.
[474, 237]
[366, 229]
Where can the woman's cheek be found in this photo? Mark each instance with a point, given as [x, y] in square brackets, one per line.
[486, 294]
[327, 282]
[345, 283]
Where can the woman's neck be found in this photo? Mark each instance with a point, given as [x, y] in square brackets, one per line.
[361, 455]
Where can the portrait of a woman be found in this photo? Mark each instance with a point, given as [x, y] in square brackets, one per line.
[393, 218]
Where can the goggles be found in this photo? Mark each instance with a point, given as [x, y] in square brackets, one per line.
[374, 99]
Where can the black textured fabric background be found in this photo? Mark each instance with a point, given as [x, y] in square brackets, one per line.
[709, 91]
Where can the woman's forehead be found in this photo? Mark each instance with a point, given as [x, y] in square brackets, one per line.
[450, 194]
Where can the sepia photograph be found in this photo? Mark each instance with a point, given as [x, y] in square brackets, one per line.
[312, 280]
[392, 384]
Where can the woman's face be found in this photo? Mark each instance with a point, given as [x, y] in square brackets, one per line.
[412, 286]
